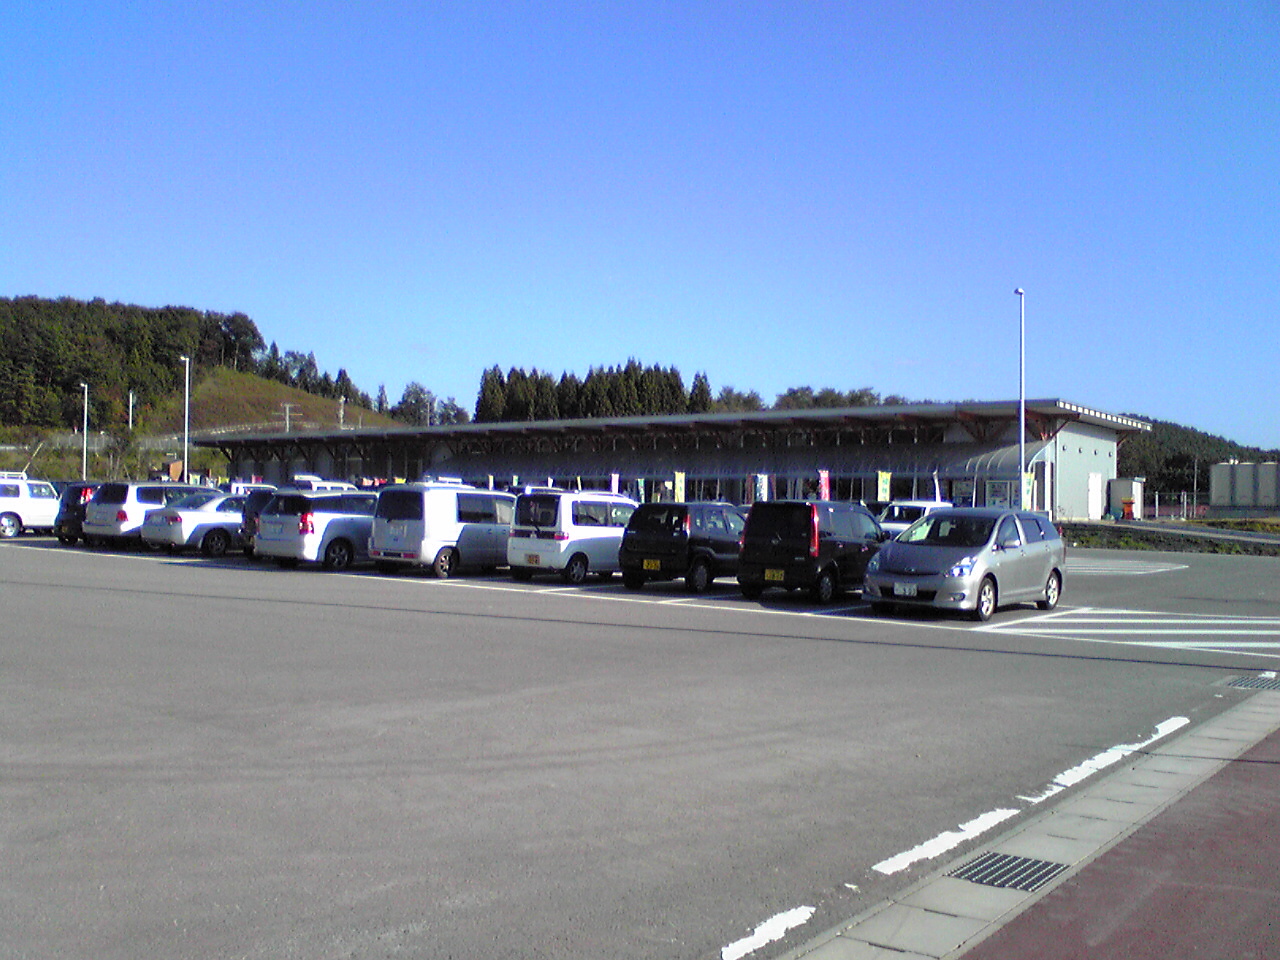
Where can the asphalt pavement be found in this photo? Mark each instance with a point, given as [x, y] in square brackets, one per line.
[1171, 858]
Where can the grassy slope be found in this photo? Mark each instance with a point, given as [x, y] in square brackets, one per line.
[225, 398]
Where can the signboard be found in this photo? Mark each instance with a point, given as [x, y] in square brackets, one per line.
[824, 484]
[882, 485]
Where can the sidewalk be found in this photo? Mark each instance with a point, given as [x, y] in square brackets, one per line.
[1172, 858]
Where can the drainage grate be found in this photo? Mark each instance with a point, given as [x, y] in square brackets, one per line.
[1256, 683]
[1003, 870]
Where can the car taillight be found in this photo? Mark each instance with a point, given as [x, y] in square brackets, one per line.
[306, 524]
[688, 523]
[122, 516]
[172, 520]
[813, 531]
[560, 536]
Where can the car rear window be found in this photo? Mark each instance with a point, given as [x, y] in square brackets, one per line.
[111, 493]
[658, 518]
[537, 510]
[287, 505]
[790, 520]
[399, 505]
[8, 490]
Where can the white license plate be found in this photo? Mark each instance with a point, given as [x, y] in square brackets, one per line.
[533, 559]
[904, 589]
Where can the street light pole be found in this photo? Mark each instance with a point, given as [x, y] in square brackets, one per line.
[186, 417]
[1022, 398]
[84, 436]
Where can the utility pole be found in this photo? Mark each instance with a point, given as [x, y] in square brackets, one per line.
[288, 407]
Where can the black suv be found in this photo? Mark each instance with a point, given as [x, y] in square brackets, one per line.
[697, 541]
[68, 527]
[817, 545]
[254, 503]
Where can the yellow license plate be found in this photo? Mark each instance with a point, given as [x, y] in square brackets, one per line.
[533, 559]
[653, 565]
[775, 576]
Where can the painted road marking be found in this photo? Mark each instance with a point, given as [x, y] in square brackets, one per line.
[1174, 631]
[1105, 567]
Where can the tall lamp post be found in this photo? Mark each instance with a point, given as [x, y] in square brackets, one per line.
[1022, 398]
[84, 436]
[186, 416]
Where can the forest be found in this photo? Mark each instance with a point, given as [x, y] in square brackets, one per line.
[49, 347]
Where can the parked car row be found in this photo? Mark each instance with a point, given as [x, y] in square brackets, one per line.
[949, 558]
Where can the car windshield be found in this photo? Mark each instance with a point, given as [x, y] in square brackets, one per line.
[943, 530]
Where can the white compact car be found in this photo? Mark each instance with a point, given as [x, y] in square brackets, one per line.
[209, 521]
[900, 514]
[570, 532]
[26, 504]
[444, 526]
[330, 527]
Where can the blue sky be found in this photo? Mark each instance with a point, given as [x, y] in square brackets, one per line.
[778, 194]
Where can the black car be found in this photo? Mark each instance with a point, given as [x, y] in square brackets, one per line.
[69, 525]
[817, 545]
[254, 501]
[664, 541]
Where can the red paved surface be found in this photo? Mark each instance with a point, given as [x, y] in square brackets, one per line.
[1201, 880]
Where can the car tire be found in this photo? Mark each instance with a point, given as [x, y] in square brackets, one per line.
[698, 579]
[824, 588]
[445, 563]
[1052, 592]
[339, 555]
[575, 571]
[215, 543]
[10, 526]
[633, 581]
[988, 598]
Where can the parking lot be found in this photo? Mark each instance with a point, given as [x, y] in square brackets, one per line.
[220, 758]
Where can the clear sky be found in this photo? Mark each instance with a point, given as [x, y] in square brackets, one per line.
[778, 194]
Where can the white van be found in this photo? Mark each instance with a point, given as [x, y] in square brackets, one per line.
[443, 526]
[571, 532]
[307, 481]
[26, 504]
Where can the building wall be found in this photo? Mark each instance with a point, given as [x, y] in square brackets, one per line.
[1081, 449]
[1244, 488]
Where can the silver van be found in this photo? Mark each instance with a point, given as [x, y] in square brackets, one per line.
[970, 559]
[330, 527]
[444, 526]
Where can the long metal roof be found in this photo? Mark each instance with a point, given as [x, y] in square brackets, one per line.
[881, 416]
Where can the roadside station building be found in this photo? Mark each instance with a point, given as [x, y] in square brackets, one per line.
[963, 452]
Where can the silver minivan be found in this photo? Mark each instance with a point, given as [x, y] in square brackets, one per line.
[970, 559]
[444, 526]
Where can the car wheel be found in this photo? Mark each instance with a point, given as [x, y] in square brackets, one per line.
[1052, 592]
[523, 574]
[445, 563]
[824, 588]
[698, 579]
[987, 597]
[10, 525]
[575, 571]
[215, 543]
[633, 581]
[338, 555]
